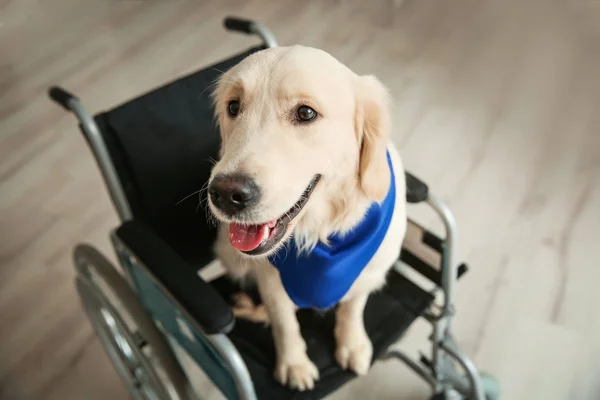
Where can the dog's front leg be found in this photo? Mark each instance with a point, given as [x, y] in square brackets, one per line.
[354, 349]
[293, 367]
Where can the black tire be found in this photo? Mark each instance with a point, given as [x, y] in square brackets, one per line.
[125, 347]
[491, 387]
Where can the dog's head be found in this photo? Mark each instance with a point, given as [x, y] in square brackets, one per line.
[303, 138]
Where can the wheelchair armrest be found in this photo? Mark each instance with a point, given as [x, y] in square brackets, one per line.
[416, 190]
[178, 277]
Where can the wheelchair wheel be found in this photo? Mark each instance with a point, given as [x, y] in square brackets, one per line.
[491, 387]
[140, 353]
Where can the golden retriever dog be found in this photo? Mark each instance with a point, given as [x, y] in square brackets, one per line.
[305, 157]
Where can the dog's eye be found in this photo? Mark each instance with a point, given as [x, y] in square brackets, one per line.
[305, 114]
[233, 108]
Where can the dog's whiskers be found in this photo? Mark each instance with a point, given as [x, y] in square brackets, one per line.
[233, 81]
[188, 196]
[206, 88]
[212, 161]
[216, 82]
[199, 191]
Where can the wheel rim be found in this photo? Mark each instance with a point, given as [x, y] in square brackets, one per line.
[132, 365]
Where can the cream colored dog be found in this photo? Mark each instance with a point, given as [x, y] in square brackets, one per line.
[303, 156]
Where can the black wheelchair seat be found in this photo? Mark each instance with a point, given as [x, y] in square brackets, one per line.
[388, 314]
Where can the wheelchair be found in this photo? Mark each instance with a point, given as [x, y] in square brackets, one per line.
[153, 151]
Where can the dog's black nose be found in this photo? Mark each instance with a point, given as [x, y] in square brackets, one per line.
[233, 194]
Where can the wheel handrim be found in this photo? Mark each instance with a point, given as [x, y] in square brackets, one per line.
[134, 368]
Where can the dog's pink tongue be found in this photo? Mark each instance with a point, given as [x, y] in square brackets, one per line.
[246, 237]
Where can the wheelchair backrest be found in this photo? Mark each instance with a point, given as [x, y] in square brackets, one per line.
[163, 145]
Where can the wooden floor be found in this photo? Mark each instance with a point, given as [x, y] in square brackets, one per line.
[496, 106]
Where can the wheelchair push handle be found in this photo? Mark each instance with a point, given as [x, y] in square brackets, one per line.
[250, 27]
[416, 190]
[62, 97]
[239, 25]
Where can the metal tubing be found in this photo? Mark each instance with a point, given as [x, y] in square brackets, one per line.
[443, 325]
[241, 375]
[413, 365]
[265, 34]
[469, 366]
[449, 265]
[88, 259]
[436, 357]
[250, 27]
[221, 342]
[102, 155]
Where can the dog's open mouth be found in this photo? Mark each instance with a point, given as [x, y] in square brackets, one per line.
[260, 238]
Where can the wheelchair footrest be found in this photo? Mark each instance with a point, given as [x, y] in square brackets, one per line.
[388, 314]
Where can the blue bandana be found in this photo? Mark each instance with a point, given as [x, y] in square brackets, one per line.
[321, 278]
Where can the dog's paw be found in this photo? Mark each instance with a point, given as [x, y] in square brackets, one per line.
[355, 354]
[299, 374]
[242, 301]
[244, 307]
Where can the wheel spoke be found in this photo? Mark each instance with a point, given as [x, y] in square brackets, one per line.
[139, 352]
[139, 340]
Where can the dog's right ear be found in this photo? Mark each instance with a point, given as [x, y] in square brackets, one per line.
[373, 124]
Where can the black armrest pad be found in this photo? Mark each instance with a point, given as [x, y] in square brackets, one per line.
[179, 277]
[416, 190]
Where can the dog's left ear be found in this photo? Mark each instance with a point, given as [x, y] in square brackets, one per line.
[373, 124]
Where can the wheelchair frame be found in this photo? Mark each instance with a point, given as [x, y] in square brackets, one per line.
[126, 348]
